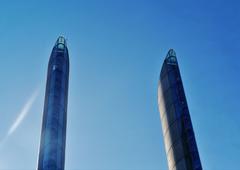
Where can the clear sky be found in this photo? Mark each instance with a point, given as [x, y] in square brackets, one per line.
[116, 51]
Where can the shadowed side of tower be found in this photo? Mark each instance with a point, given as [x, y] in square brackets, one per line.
[179, 138]
[53, 134]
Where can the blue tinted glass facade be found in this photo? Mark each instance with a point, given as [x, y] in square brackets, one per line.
[179, 138]
[53, 135]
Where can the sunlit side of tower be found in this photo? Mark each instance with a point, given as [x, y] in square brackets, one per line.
[179, 138]
[53, 134]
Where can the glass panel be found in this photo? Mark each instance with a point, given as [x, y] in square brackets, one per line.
[161, 104]
[168, 97]
[178, 151]
[164, 70]
[164, 83]
[176, 131]
[181, 165]
[172, 77]
[170, 158]
[170, 113]
[164, 123]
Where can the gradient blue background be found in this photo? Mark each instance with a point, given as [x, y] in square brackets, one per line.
[116, 51]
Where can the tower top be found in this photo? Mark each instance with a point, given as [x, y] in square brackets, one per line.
[171, 53]
[61, 42]
[171, 57]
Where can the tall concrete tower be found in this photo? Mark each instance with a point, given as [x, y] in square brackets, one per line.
[179, 138]
[53, 135]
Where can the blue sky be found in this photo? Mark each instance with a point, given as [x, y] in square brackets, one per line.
[116, 51]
